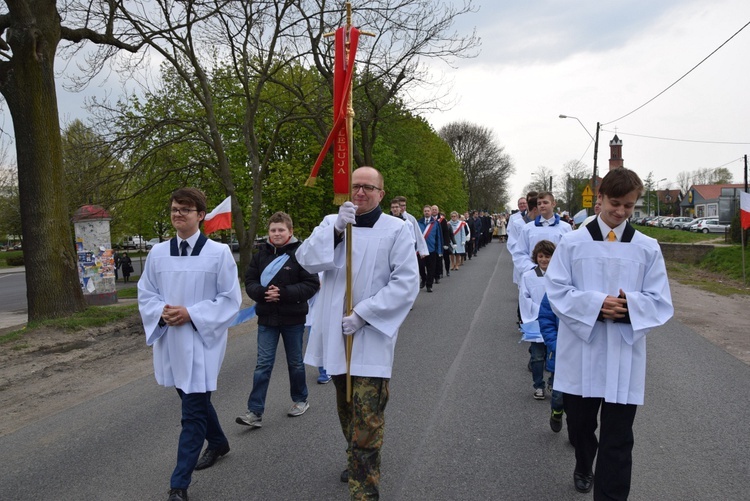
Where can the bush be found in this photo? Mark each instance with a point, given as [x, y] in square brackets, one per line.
[14, 261]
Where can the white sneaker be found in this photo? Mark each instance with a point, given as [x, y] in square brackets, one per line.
[539, 393]
[298, 408]
[250, 419]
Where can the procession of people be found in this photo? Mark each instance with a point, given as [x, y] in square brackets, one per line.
[587, 298]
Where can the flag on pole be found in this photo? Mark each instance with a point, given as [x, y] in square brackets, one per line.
[744, 210]
[580, 216]
[343, 71]
[220, 218]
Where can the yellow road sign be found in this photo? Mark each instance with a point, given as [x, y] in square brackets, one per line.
[587, 201]
[587, 192]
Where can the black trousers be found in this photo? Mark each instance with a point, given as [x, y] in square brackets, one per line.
[614, 460]
[469, 248]
[427, 268]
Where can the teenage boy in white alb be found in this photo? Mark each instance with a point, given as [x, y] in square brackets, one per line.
[607, 284]
[188, 295]
[546, 226]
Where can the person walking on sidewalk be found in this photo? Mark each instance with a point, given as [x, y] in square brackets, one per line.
[281, 288]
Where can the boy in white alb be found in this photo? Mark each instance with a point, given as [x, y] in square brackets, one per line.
[608, 285]
[530, 294]
[546, 226]
[188, 296]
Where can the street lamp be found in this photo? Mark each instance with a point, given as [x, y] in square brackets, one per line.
[596, 148]
[657, 194]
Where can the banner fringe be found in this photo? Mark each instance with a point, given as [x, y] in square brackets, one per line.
[310, 181]
[339, 198]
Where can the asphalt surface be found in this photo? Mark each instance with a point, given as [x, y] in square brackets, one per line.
[461, 423]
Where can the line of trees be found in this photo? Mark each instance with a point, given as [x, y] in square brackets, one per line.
[240, 106]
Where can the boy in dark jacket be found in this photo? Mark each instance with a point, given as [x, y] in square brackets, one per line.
[280, 287]
[548, 325]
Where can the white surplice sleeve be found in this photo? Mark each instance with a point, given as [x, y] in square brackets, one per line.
[577, 308]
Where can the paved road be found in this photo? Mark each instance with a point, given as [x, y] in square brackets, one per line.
[461, 422]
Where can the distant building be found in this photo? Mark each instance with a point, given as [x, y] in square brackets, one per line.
[712, 200]
[615, 153]
[669, 202]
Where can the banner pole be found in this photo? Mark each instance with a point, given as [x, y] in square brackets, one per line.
[349, 130]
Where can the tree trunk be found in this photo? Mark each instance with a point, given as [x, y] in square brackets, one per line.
[27, 82]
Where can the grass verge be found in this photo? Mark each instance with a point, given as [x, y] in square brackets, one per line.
[93, 316]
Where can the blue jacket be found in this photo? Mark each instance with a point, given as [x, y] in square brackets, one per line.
[548, 324]
[434, 240]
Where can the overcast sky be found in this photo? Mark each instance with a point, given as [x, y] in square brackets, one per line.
[596, 60]
[600, 60]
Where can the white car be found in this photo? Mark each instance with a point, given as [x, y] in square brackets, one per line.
[710, 226]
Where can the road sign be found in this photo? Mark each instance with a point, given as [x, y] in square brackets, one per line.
[587, 201]
[587, 193]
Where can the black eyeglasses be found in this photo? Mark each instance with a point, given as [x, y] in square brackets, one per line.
[367, 187]
[182, 211]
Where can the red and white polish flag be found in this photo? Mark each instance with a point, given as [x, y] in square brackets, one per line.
[744, 210]
[220, 218]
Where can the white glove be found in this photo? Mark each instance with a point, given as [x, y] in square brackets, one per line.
[347, 212]
[352, 323]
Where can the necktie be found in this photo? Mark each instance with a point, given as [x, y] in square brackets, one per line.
[183, 248]
[611, 236]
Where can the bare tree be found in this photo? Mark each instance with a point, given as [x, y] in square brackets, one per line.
[575, 179]
[485, 165]
[30, 33]
[685, 181]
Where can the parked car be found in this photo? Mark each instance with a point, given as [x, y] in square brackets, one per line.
[234, 245]
[665, 221]
[678, 222]
[710, 226]
[654, 221]
[151, 243]
[692, 224]
[130, 242]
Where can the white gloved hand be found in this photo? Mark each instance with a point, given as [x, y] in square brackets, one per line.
[352, 323]
[347, 213]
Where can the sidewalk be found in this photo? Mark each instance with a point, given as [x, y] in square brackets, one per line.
[16, 320]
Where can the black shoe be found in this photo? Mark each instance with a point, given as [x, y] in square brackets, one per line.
[437, 280]
[429, 288]
[555, 421]
[583, 481]
[344, 476]
[210, 456]
[447, 274]
[177, 495]
[421, 284]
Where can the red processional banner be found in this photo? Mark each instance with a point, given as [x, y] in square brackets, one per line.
[343, 71]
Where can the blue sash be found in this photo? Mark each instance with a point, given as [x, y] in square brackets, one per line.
[272, 269]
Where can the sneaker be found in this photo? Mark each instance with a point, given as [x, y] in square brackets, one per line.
[298, 408]
[250, 419]
[324, 378]
[555, 421]
[539, 393]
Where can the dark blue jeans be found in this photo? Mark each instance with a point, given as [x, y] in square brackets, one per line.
[538, 352]
[199, 423]
[268, 340]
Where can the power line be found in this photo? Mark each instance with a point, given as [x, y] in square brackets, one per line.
[683, 76]
[674, 139]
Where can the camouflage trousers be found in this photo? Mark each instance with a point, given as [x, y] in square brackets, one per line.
[363, 423]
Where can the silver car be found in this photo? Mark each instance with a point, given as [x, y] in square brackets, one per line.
[710, 226]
